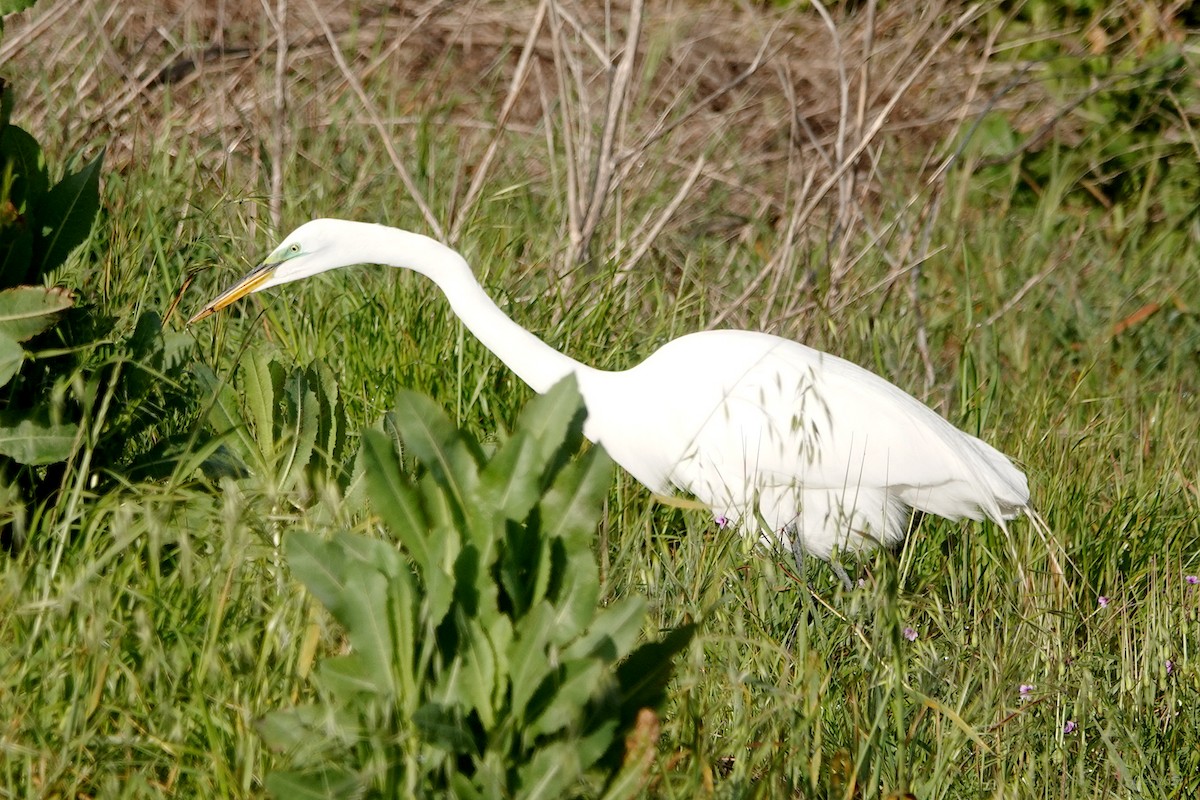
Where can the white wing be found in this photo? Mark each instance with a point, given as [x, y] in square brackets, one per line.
[747, 421]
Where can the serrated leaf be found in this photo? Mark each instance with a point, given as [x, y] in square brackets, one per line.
[571, 508]
[461, 788]
[479, 673]
[393, 499]
[34, 442]
[26, 311]
[258, 392]
[365, 611]
[67, 212]
[304, 412]
[12, 356]
[555, 421]
[438, 445]
[225, 414]
[372, 554]
[524, 565]
[571, 511]
[598, 741]
[511, 481]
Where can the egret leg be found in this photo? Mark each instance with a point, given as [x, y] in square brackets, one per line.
[793, 534]
[840, 571]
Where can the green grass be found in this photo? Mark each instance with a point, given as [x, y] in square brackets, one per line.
[148, 627]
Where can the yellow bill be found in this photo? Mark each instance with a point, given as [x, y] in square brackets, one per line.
[256, 278]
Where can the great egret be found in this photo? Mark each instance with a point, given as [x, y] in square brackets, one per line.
[763, 430]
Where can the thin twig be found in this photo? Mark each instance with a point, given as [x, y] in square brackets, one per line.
[650, 236]
[617, 109]
[510, 100]
[373, 113]
[279, 119]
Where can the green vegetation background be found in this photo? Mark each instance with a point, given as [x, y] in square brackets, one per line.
[1027, 266]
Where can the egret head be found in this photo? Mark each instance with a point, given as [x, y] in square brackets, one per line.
[314, 247]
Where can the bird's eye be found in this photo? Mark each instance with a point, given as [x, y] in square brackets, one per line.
[294, 249]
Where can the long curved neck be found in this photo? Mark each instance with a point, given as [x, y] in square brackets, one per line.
[534, 361]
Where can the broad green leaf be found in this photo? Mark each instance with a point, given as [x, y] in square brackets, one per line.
[598, 741]
[442, 728]
[524, 565]
[461, 788]
[528, 662]
[438, 445]
[613, 632]
[67, 212]
[26, 311]
[643, 676]
[320, 566]
[28, 162]
[309, 730]
[304, 410]
[258, 391]
[572, 505]
[332, 420]
[394, 500]
[30, 441]
[12, 356]
[225, 413]
[365, 612]
[548, 433]
[580, 680]
[373, 554]
[555, 421]
[511, 481]
[16, 254]
[571, 510]
[351, 678]
[327, 783]
[550, 772]
[479, 673]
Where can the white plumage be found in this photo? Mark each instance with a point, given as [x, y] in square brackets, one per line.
[830, 455]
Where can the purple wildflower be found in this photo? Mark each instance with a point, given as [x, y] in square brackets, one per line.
[1103, 601]
[1070, 726]
[910, 634]
[722, 520]
[1192, 580]
[1170, 666]
[1026, 688]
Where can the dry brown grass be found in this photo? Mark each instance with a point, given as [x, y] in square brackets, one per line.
[801, 119]
[114, 65]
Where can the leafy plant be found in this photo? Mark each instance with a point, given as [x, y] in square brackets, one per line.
[480, 663]
[69, 383]
[40, 225]
[272, 421]
[1125, 110]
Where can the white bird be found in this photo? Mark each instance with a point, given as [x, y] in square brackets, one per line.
[799, 447]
